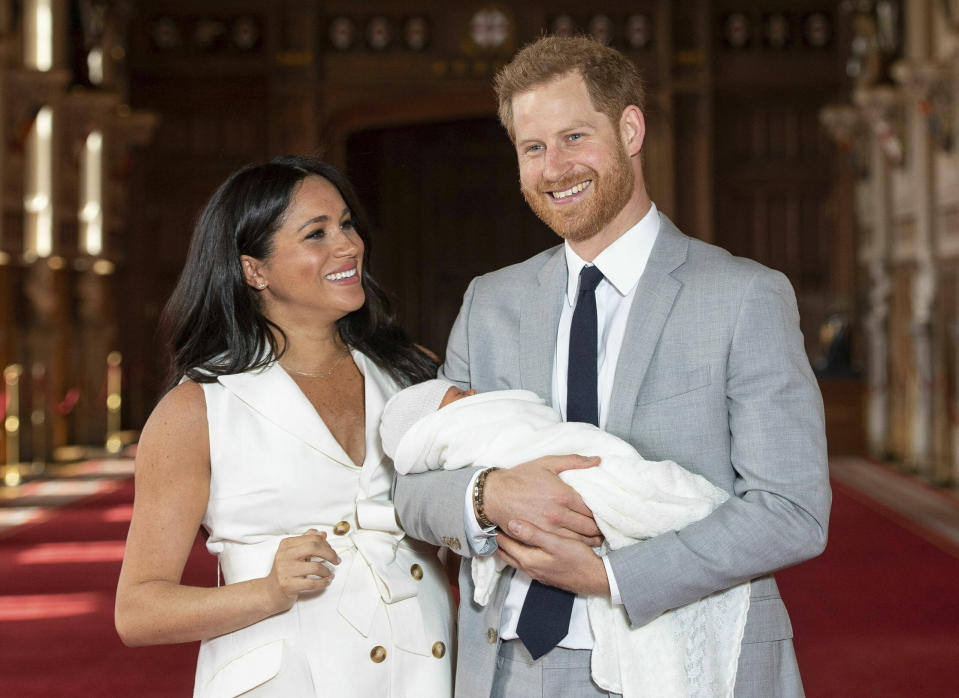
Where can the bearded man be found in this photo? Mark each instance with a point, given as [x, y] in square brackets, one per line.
[676, 346]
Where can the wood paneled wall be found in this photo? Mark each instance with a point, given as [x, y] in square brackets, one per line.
[733, 153]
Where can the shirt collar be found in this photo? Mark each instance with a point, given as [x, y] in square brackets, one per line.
[623, 262]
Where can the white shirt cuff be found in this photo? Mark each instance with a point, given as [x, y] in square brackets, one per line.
[614, 596]
[481, 540]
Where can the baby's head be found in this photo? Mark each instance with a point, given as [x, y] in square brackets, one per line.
[453, 394]
[412, 404]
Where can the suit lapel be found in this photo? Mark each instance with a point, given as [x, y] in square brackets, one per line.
[538, 323]
[274, 395]
[652, 303]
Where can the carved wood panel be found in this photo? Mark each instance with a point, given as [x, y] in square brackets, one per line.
[773, 170]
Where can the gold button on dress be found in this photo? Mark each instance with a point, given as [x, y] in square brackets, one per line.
[439, 649]
[378, 654]
[341, 528]
[416, 571]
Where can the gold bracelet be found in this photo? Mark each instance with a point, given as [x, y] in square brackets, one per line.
[478, 488]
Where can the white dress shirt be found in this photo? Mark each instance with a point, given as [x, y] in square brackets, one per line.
[622, 264]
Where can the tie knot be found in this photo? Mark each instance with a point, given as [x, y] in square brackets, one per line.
[589, 278]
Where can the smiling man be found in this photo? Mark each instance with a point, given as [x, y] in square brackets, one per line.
[676, 346]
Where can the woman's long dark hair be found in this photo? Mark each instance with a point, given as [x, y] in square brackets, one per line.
[213, 319]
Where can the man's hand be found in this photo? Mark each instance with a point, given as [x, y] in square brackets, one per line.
[552, 559]
[533, 492]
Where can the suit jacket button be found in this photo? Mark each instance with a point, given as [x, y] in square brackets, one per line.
[491, 636]
[341, 528]
[439, 649]
[417, 572]
[378, 654]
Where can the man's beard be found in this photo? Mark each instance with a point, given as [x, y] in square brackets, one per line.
[588, 217]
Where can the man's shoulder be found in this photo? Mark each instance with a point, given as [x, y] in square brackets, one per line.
[519, 274]
[709, 261]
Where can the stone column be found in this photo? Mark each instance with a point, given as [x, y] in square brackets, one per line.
[874, 108]
[919, 78]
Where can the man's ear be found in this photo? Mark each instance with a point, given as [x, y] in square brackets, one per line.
[252, 272]
[632, 129]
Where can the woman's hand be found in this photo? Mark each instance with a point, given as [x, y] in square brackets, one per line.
[300, 566]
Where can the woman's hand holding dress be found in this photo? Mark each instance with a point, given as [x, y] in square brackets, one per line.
[300, 566]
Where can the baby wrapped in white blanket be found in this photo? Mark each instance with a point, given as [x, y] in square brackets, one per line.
[689, 651]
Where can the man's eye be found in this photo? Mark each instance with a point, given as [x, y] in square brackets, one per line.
[575, 136]
[534, 148]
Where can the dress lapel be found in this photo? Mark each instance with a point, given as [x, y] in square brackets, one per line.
[538, 323]
[378, 389]
[273, 394]
[652, 302]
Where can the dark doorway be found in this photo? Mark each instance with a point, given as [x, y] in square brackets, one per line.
[445, 203]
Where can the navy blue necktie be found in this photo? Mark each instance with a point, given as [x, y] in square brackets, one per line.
[544, 620]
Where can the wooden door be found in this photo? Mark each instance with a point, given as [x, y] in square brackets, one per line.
[446, 206]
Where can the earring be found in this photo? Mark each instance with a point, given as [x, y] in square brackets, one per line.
[261, 285]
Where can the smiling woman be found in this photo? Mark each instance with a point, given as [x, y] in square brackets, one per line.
[311, 273]
[283, 348]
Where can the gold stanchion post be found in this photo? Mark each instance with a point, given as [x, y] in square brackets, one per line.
[38, 418]
[114, 401]
[11, 424]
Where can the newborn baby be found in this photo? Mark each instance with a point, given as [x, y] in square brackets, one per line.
[436, 424]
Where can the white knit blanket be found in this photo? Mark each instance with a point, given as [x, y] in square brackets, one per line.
[688, 651]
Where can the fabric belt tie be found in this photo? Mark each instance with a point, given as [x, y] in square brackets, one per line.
[544, 618]
[370, 571]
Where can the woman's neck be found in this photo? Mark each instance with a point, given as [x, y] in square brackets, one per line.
[312, 350]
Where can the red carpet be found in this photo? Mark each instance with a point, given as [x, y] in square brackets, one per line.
[57, 583]
[876, 615]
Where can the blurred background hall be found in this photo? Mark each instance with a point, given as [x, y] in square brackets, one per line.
[818, 137]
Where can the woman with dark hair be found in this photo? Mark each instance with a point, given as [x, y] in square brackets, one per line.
[284, 353]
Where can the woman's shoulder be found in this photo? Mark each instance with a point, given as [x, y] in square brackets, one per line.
[185, 395]
[182, 409]
[175, 438]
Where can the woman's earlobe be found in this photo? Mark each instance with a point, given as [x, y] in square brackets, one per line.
[251, 272]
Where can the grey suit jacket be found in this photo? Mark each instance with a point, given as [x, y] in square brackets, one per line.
[713, 375]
